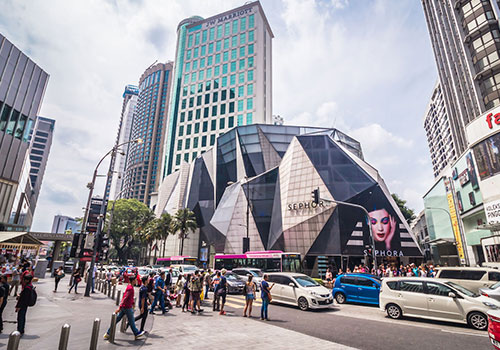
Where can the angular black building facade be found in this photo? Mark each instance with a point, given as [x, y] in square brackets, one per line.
[270, 171]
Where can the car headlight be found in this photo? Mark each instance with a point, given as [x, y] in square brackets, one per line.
[490, 305]
[314, 293]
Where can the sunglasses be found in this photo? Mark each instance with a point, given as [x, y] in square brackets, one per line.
[384, 220]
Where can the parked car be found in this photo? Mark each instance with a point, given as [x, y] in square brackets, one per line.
[243, 272]
[356, 287]
[299, 289]
[184, 269]
[235, 283]
[492, 292]
[472, 278]
[494, 328]
[435, 299]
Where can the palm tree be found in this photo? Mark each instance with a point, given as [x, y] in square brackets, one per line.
[164, 227]
[184, 222]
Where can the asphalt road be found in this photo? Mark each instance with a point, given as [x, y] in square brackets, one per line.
[365, 327]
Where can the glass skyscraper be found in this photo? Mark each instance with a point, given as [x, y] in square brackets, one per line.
[222, 79]
[143, 163]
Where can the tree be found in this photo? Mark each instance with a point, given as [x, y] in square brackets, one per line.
[130, 217]
[184, 222]
[165, 227]
[408, 213]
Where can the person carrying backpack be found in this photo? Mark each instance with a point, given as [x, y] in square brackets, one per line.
[26, 299]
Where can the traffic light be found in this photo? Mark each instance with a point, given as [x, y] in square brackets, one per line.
[315, 195]
[103, 246]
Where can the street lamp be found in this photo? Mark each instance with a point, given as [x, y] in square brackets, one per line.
[101, 214]
[452, 229]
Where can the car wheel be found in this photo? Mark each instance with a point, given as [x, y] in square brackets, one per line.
[303, 304]
[340, 298]
[478, 321]
[394, 311]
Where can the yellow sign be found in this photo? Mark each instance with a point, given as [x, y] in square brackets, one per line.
[456, 229]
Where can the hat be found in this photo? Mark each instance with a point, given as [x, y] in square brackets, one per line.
[223, 271]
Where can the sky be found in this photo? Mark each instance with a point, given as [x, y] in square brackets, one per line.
[365, 67]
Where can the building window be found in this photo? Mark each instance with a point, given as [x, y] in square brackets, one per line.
[214, 111]
[181, 130]
[233, 66]
[250, 103]
[243, 37]
[241, 91]
[204, 36]
[211, 33]
[251, 21]
[179, 145]
[195, 142]
[196, 128]
[242, 64]
[234, 41]
[219, 31]
[243, 23]
[218, 45]
[205, 126]
[203, 141]
[250, 89]
[250, 62]
[188, 142]
[231, 107]
[210, 48]
[186, 157]
[250, 75]
[223, 109]
[241, 77]
[222, 123]
[205, 112]
[214, 124]
[226, 44]
[249, 118]
[240, 119]
[224, 81]
[250, 49]
[188, 130]
[250, 36]
[212, 140]
[487, 154]
[230, 122]
[232, 79]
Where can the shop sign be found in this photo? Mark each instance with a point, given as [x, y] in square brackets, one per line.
[492, 212]
[305, 205]
[228, 17]
[484, 126]
[454, 219]
[463, 177]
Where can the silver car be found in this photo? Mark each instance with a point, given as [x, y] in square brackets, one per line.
[243, 272]
[492, 292]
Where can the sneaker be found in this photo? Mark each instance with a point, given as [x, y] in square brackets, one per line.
[140, 335]
[244, 315]
[106, 336]
[200, 310]
[222, 313]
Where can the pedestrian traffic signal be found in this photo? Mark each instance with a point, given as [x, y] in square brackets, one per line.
[315, 195]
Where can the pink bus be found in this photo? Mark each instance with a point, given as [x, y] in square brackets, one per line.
[267, 261]
[177, 260]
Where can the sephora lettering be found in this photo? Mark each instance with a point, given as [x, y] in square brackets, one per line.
[305, 205]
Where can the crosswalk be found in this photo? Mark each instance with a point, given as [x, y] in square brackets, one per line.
[238, 301]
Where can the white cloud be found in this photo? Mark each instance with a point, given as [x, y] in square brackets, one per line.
[363, 67]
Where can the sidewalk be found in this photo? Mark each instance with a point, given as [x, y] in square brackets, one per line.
[175, 329]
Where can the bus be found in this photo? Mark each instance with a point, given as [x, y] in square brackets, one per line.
[177, 260]
[267, 261]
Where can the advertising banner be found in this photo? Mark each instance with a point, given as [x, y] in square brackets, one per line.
[454, 220]
[492, 211]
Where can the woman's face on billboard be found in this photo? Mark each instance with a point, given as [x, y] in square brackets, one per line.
[381, 224]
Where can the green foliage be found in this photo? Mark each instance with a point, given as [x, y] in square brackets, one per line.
[183, 223]
[130, 218]
[408, 213]
[157, 229]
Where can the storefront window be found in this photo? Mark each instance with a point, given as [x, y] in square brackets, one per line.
[487, 155]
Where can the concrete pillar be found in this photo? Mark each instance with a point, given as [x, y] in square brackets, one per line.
[57, 250]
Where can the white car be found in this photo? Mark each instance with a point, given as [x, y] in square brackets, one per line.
[299, 289]
[435, 299]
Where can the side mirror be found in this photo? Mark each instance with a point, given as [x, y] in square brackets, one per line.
[452, 295]
[376, 285]
[291, 284]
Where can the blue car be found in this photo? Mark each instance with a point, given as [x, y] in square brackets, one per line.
[357, 288]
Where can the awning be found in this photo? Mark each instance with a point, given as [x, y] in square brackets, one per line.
[13, 237]
[442, 241]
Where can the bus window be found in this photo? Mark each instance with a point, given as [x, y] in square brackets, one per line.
[291, 263]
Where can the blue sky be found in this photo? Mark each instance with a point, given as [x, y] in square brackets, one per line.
[365, 67]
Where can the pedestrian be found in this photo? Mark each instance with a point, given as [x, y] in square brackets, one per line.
[58, 276]
[179, 286]
[215, 283]
[266, 297]
[4, 293]
[143, 303]
[249, 291]
[16, 280]
[196, 288]
[222, 291]
[109, 278]
[76, 280]
[159, 294]
[187, 293]
[151, 286]
[93, 277]
[25, 299]
[207, 279]
[126, 309]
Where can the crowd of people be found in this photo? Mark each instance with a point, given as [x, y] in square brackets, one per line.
[388, 270]
[158, 292]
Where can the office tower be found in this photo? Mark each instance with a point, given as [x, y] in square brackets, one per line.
[143, 163]
[22, 86]
[439, 137]
[222, 78]
[464, 36]
[114, 186]
[63, 224]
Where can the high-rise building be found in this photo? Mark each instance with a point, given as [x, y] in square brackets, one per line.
[114, 186]
[465, 36]
[63, 224]
[439, 137]
[222, 78]
[22, 86]
[143, 163]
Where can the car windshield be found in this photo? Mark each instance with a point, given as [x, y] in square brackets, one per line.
[306, 281]
[495, 286]
[462, 290]
[256, 273]
[232, 277]
[143, 272]
[190, 268]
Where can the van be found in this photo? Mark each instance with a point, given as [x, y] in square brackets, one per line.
[184, 269]
[472, 278]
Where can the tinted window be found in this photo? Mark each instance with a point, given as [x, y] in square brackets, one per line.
[393, 285]
[365, 282]
[347, 280]
[438, 289]
[274, 279]
[286, 280]
[411, 286]
[450, 274]
[494, 276]
[473, 275]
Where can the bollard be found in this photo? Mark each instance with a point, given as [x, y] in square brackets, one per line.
[95, 334]
[104, 288]
[109, 290]
[63, 340]
[114, 291]
[123, 325]
[112, 329]
[118, 297]
[14, 339]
